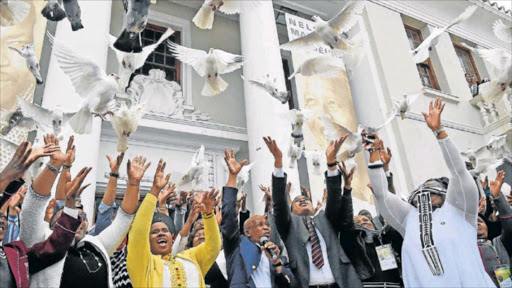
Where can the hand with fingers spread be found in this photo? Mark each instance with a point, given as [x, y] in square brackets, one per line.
[16, 199]
[332, 151]
[136, 169]
[433, 118]
[74, 188]
[208, 201]
[385, 155]
[18, 165]
[70, 151]
[347, 175]
[274, 149]
[485, 183]
[495, 185]
[42, 151]
[304, 191]
[234, 167]
[266, 190]
[115, 163]
[57, 158]
[481, 204]
[160, 179]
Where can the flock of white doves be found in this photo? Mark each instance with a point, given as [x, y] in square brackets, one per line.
[98, 89]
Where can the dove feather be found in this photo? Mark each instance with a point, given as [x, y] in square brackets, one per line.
[37, 113]
[193, 57]
[468, 12]
[308, 42]
[502, 31]
[347, 17]
[227, 62]
[235, 6]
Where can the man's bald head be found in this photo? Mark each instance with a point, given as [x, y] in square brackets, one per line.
[257, 226]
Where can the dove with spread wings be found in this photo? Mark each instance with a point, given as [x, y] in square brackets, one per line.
[208, 65]
[196, 173]
[15, 118]
[324, 65]
[318, 160]
[96, 88]
[471, 155]
[353, 143]
[270, 87]
[28, 52]
[328, 32]
[501, 61]
[502, 31]
[55, 118]
[132, 61]
[403, 105]
[422, 52]
[205, 16]
[295, 152]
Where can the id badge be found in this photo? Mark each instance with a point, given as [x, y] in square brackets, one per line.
[386, 256]
[502, 273]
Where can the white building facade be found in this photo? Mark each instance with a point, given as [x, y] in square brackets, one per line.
[180, 119]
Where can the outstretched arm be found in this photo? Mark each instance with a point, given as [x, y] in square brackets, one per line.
[333, 181]
[504, 210]
[462, 192]
[281, 206]
[392, 207]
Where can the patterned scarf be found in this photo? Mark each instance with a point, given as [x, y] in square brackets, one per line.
[427, 240]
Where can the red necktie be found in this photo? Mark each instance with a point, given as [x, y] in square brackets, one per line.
[316, 250]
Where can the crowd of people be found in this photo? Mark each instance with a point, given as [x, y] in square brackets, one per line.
[444, 235]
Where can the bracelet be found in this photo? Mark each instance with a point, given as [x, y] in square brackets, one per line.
[207, 215]
[371, 150]
[115, 175]
[333, 164]
[64, 166]
[162, 208]
[278, 264]
[438, 132]
[53, 169]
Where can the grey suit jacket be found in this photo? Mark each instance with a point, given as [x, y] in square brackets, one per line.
[295, 235]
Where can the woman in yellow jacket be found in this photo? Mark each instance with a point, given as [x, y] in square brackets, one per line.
[149, 261]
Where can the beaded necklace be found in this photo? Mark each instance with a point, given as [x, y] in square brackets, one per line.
[178, 274]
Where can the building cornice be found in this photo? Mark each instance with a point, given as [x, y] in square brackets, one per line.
[406, 8]
[503, 122]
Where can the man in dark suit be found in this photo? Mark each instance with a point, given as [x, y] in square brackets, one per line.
[248, 260]
[316, 257]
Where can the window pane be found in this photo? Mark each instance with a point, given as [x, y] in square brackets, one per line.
[159, 58]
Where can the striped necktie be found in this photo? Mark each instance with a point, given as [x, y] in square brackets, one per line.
[316, 250]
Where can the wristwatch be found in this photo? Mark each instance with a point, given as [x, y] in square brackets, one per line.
[112, 174]
[438, 132]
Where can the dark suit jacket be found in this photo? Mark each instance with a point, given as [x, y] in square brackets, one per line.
[242, 255]
[294, 233]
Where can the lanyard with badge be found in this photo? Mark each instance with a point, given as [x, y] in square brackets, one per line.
[501, 271]
[386, 256]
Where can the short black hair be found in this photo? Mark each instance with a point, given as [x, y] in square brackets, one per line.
[159, 217]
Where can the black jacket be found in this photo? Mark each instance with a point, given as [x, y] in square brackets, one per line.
[295, 235]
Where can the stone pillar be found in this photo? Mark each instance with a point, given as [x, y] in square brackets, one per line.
[91, 42]
[260, 47]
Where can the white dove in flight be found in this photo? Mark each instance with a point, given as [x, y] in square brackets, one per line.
[328, 32]
[471, 155]
[208, 65]
[390, 116]
[125, 121]
[132, 61]
[297, 117]
[195, 174]
[28, 52]
[484, 164]
[15, 118]
[13, 12]
[352, 145]
[502, 31]
[323, 65]
[204, 17]
[55, 118]
[496, 143]
[295, 152]
[243, 177]
[270, 87]
[403, 105]
[501, 61]
[318, 160]
[92, 84]
[422, 52]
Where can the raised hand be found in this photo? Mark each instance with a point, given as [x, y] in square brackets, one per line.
[160, 179]
[74, 188]
[347, 175]
[136, 169]
[385, 156]
[495, 185]
[49, 210]
[167, 193]
[266, 190]
[274, 149]
[208, 201]
[57, 157]
[16, 199]
[333, 148]
[485, 183]
[115, 163]
[70, 151]
[433, 118]
[233, 166]
[42, 151]
[18, 165]
[304, 190]
[481, 204]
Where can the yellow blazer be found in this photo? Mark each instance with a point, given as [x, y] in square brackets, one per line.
[146, 269]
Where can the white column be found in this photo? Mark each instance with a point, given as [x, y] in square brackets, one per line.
[91, 42]
[260, 47]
